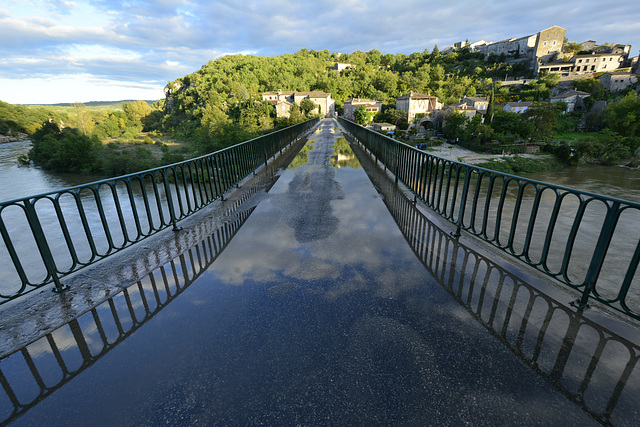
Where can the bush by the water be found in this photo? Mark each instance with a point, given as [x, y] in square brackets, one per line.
[522, 165]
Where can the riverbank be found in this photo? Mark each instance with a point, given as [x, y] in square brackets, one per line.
[463, 155]
[506, 163]
[10, 138]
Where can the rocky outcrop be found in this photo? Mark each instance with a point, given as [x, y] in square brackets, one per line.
[635, 159]
[12, 138]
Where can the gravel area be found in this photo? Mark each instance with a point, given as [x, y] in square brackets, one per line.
[454, 152]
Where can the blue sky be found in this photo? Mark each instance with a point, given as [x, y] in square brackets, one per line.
[100, 50]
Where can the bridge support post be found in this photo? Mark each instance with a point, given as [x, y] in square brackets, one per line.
[43, 246]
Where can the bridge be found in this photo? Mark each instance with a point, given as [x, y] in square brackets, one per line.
[323, 274]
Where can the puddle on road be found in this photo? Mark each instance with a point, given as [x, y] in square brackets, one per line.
[303, 155]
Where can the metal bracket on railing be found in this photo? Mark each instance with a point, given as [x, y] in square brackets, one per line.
[457, 233]
[58, 287]
[579, 305]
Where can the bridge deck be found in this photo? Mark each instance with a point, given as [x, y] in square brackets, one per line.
[318, 311]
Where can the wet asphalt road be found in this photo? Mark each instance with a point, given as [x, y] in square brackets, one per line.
[316, 313]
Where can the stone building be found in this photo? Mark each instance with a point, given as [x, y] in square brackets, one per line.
[614, 82]
[480, 104]
[352, 104]
[597, 62]
[573, 98]
[517, 107]
[539, 47]
[416, 103]
[280, 99]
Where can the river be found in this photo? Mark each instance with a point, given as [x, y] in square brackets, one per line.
[21, 181]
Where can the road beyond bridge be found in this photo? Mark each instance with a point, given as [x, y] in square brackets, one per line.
[330, 299]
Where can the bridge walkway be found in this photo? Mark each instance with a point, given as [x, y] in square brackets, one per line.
[319, 311]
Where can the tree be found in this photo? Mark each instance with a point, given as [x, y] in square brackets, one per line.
[543, 117]
[65, 150]
[82, 118]
[489, 114]
[391, 115]
[135, 111]
[360, 115]
[295, 114]
[623, 117]
[572, 47]
[454, 125]
[435, 53]
[307, 105]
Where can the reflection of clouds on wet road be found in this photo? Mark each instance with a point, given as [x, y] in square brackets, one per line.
[323, 224]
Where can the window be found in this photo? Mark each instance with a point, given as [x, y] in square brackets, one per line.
[579, 61]
[545, 43]
[586, 60]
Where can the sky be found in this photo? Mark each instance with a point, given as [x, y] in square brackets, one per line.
[102, 50]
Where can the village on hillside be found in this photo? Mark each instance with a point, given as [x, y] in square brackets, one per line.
[546, 52]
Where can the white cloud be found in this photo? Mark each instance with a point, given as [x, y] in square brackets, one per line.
[164, 40]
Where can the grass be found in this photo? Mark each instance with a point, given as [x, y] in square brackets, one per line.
[521, 165]
[571, 137]
[152, 141]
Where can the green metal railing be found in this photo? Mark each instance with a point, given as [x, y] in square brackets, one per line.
[49, 236]
[589, 242]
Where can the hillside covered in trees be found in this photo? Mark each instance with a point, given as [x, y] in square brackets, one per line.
[221, 105]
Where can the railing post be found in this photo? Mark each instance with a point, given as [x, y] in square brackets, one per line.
[43, 245]
[167, 192]
[463, 199]
[599, 254]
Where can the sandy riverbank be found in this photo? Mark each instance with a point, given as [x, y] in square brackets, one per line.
[454, 152]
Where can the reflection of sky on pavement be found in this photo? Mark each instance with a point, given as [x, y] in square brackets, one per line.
[363, 236]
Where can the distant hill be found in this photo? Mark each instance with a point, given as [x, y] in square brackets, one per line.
[104, 104]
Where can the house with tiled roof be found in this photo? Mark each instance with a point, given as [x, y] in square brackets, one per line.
[417, 103]
[480, 104]
[517, 107]
[573, 98]
[280, 98]
[352, 104]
